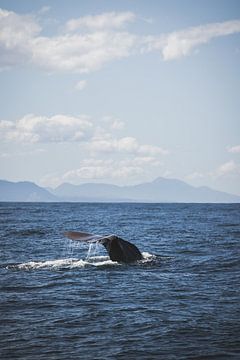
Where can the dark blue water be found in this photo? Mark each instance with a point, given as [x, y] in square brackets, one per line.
[63, 301]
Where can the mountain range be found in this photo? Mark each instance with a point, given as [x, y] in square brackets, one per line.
[159, 190]
[24, 191]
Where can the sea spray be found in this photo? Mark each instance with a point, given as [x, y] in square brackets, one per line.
[92, 250]
[69, 248]
[60, 264]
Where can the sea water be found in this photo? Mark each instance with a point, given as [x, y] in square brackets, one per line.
[61, 299]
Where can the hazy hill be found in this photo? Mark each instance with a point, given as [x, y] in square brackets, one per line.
[91, 192]
[159, 190]
[24, 191]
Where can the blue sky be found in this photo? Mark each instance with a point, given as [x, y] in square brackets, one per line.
[120, 92]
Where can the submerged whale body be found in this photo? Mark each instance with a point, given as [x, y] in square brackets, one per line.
[118, 249]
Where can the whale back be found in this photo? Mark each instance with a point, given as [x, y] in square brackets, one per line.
[121, 250]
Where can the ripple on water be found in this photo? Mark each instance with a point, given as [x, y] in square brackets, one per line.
[60, 301]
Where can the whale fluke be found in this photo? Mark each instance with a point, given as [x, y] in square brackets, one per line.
[81, 236]
[118, 249]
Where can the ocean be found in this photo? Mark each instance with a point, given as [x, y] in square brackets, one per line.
[60, 299]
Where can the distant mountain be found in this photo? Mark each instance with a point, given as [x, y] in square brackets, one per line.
[91, 192]
[24, 191]
[159, 190]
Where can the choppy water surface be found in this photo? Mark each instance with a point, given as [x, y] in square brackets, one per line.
[62, 300]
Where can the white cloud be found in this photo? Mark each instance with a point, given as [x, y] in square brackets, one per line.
[109, 20]
[81, 85]
[44, 10]
[234, 149]
[195, 175]
[223, 171]
[110, 157]
[127, 144]
[6, 125]
[99, 169]
[227, 168]
[117, 124]
[152, 150]
[64, 128]
[81, 53]
[89, 169]
[113, 123]
[124, 145]
[140, 161]
[128, 172]
[21, 42]
[35, 129]
[24, 154]
[16, 34]
[180, 43]
[110, 170]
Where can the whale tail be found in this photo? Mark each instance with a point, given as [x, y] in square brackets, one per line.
[82, 236]
[118, 249]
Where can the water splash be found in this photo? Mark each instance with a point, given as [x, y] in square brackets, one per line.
[70, 247]
[68, 263]
[92, 259]
[92, 250]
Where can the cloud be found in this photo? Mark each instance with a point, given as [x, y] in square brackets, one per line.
[102, 41]
[16, 34]
[81, 53]
[152, 150]
[36, 129]
[96, 139]
[44, 10]
[234, 149]
[24, 154]
[105, 170]
[101, 172]
[21, 43]
[81, 85]
[227, 168]
[195, 175]
[99, 169]
[125, 145]
[117, 124]
[90, 169]
[109, 20]
[112, 145]
[180, 43]
[122, 156]
[113, 123]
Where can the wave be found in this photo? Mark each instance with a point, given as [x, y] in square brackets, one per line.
[73, 263]
[27, 232]
[68, 263]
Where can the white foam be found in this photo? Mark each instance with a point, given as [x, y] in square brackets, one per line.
[91, 260]
[67, 263]
[147, 255]
[46, 264]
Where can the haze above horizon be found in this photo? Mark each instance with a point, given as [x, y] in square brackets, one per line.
[120, 92]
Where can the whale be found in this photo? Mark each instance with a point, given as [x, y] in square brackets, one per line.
[118, 249]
